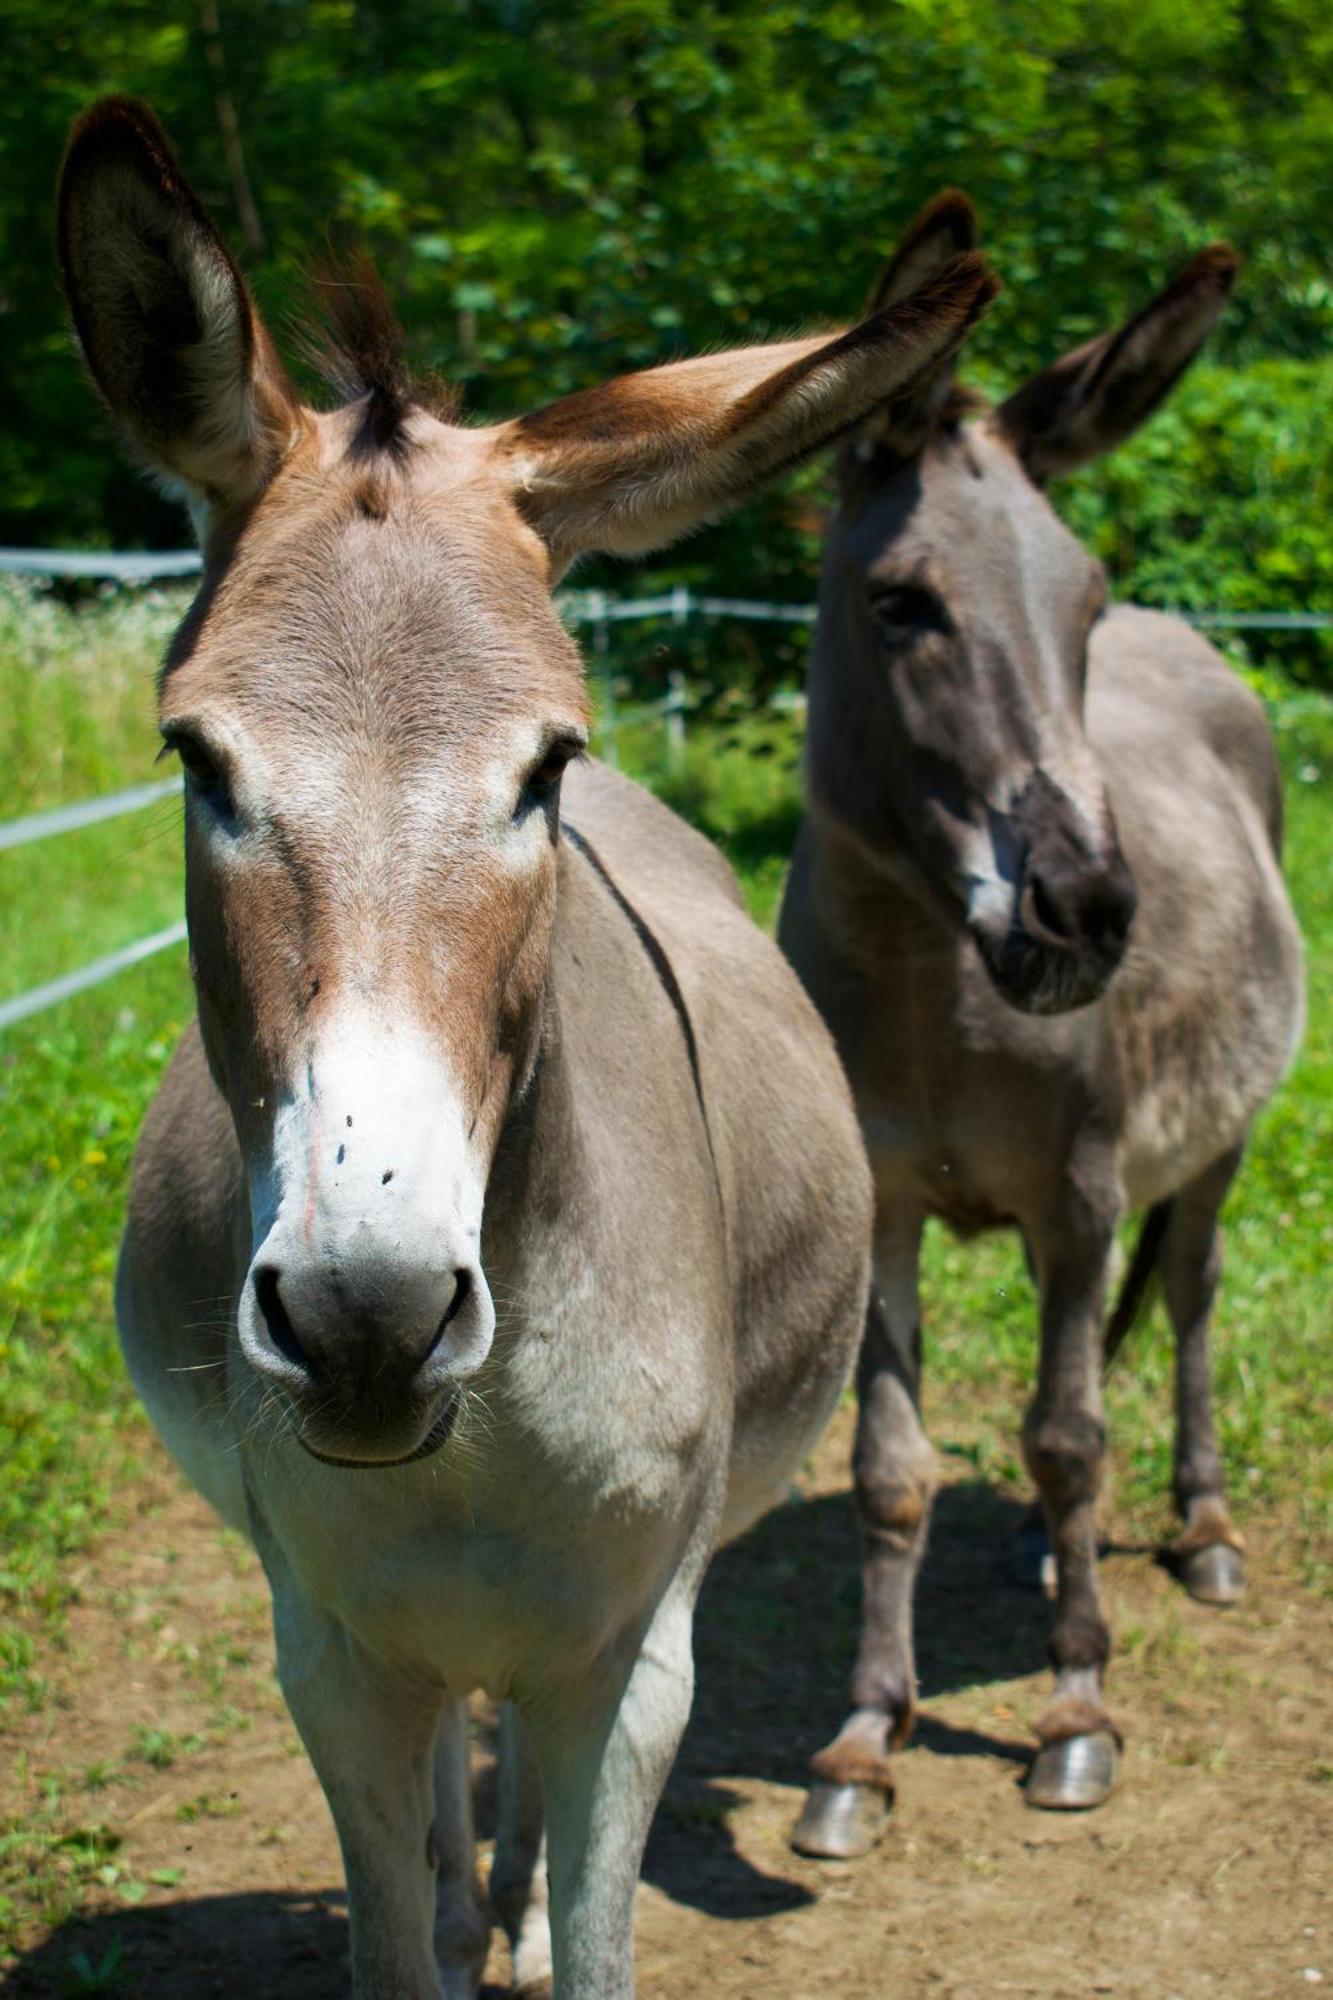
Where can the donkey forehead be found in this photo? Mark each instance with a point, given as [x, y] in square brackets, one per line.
[396, 593]
[964, 517]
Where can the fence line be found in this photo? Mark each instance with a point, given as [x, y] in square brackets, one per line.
[68, 819]
[134, 568]
[585, 607]
[37, 998]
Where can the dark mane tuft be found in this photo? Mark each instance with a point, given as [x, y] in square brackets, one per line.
[960, 404]
[357, 346]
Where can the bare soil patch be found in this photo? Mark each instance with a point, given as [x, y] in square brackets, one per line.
[163, 1750]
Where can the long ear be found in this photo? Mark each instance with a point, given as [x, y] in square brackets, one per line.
[945, 228]
[642, 460]
[163, 315]
[1097, 395]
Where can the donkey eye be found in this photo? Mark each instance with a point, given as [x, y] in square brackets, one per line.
[544, 777]
[204, 775]
[907, 611]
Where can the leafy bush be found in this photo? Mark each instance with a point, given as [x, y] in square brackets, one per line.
[1225, 502]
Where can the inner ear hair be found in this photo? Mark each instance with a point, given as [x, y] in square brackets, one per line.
[163, 314]
[947, 227]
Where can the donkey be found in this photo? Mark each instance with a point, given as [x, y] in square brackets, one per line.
[1036, 896]
[475, 1267]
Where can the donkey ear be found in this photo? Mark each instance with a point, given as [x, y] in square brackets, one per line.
[1094, 397]
[642, 460]
[163, 315]
[945, 228]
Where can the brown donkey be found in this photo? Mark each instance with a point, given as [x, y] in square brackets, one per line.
[474, 1266]
[1019, 801]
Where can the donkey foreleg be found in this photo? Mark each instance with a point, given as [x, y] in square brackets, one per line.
[370, 1730]
[518, 1878]
[895, 1478]
[462, 1919]
[1064, 1443]
[603, 1773]
[1207, 1555]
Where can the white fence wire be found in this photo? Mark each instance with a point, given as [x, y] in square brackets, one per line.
[595, 608]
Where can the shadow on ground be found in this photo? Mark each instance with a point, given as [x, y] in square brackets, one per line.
[775, 1639]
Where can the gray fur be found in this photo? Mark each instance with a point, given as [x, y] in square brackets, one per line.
[981, 1102]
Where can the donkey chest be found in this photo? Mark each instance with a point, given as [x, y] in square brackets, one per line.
[523, 1545]
[958, 1122]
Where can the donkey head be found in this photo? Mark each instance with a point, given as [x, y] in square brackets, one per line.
[954, 624]
[374, 699]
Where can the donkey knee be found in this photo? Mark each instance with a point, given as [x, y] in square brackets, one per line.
[893, 1505]
[1064, 1456]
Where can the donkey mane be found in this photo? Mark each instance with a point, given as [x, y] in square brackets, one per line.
[356, 345]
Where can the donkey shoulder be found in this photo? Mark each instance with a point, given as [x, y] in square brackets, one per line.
[660, 850]
[791, 1165]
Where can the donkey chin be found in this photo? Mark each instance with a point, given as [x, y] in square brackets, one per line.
[1040, 978]
[358, 1387]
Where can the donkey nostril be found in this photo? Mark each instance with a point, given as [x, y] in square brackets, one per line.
[277, 1319]
[1039, 914]
[462, 1289]
[462, 1286]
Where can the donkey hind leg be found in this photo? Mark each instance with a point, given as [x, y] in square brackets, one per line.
[1207, 1555]
[1064, 1443]
[602, 1775]
[462, 1920]
[847, 1807]
[519, 1893]
[371, 1733]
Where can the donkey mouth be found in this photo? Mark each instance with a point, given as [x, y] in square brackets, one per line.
[439, 1434]
[1036, 978]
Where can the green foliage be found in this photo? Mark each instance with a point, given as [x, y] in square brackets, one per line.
[558, 191]
[1225, 502]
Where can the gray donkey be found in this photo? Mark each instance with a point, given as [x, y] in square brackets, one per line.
[1036, 895]
[475, 1267]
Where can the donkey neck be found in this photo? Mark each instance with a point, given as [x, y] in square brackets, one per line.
[614, 1026]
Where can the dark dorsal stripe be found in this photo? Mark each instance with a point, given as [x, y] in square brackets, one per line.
[665, 971]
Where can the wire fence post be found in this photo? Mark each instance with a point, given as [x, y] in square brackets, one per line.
[675, 702]
[606, 689]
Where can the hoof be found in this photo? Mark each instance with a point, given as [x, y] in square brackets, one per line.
[841, 1822]
[1215, 1575]
[1074, 1774]
[1034, 1559]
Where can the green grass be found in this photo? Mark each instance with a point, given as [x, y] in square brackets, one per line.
[75, 689]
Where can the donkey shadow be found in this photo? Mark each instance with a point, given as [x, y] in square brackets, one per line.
[775, 1637]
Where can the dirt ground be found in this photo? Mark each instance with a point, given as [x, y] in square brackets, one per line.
[1210, 1872]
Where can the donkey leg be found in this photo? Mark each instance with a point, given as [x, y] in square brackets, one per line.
[370, 1729]
[462, 1921]
[518, 1878]
[1064, 1443]
[602, 1775]
[1207, 1555]
[848, 1804]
